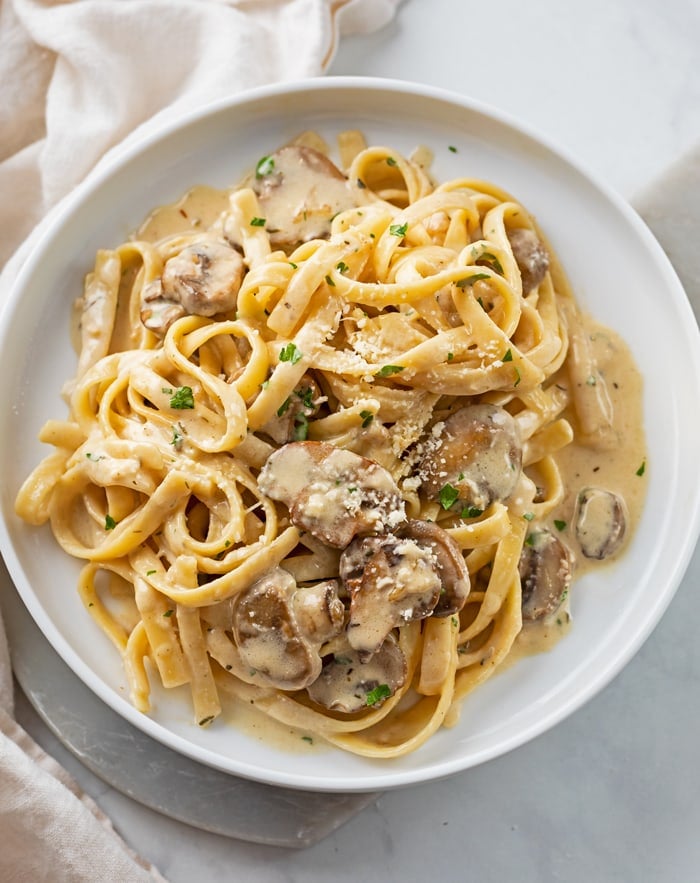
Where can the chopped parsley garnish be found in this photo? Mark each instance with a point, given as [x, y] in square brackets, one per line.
[301, 427]
[468, 281]
[518, 378]
[398, 230]
[450, 357]
[342, 266]
[508, 357]
[257, 222]
[293, 265]
[471, 512]
[94, 457]
[560, 525]
[178, 435]
[307, 739]
[329, 281]
[452, 148]
[528, 516]
[290, 353]
[182, 398]
[361, 184]
[110, 523]
[367, 418]
[283, 407]
[448, 496]
[390, 161]
[264, 167]
[307, 397]
[388, 370]
[150, 572]
[642, 468]
[206, 720]
[381, 692]
[168, 613]
[492, 260]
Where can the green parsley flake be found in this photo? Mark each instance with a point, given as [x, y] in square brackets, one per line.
[257, 222]
[182, 398]
[290, 353]
[301, 427]
[642, 469]
[448, 496]
[560, 525]
[468, 281]
[518, 378]
[110, 523]
[329, 281]
[150, 572]
[528, 516]
[508, 356]
[307, 739]
[493, 261]
[450, 357]
[390, 161]
[398, 230]
[206, 720]
[367, 418]
[178, 436]
[293, 265]
[471, 512]
[381, 692]
[342, 267]
[264, 167]
[168, 613]
[452, 148]
[388, 370]
[283, 407]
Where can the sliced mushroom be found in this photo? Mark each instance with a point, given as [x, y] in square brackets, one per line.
[349, 684]
[451, 567]
[473, 459]
[545, 574]
[318, 611]
[600, 522]
[531, 257]
[391, 581]
[332, 493]
[279, 636]
[202, 280]
[291, 420]
[300, 191]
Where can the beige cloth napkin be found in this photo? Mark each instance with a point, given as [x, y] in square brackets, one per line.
[77, 79]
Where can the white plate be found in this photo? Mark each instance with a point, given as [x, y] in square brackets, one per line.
[619, 274]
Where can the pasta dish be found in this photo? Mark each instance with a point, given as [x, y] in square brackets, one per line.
[338, 440]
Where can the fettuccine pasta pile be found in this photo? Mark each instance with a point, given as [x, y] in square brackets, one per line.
[310, 460]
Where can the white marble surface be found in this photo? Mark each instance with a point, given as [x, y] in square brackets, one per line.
[613, 793]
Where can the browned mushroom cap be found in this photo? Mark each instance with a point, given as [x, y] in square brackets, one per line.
[318, 611]
[202, 280]
[451, 567]
[545, 574]
[600, 522]
[291, 420]
[477, 453]
[332, 493]
[300, 191]
[280, 647]
[531, 257]
[391, 581]
[349, 684]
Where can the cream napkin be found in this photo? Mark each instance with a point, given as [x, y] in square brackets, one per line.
[78, 78]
